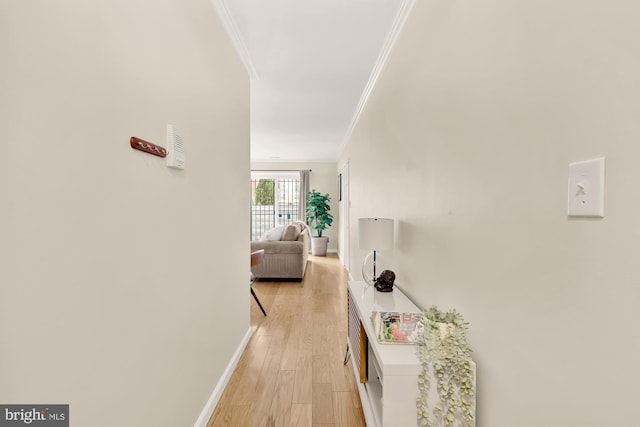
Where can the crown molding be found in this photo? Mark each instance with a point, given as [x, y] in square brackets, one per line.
[236, 37]
[398, 23]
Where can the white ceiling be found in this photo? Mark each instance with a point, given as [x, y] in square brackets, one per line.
[311, 63]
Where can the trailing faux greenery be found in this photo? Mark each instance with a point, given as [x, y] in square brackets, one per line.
[318, 215]
[443, 345]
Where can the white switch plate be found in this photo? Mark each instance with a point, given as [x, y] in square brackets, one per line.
[586, 188]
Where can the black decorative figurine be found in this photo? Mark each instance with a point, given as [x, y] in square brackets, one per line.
[384, 282]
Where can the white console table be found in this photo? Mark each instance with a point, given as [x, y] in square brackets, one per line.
[389, 389]
[387, 374]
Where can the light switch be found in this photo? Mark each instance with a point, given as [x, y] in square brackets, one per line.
[586, 188]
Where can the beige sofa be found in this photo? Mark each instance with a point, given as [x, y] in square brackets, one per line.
[285, 258]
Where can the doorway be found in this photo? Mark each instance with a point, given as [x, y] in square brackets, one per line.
[344, 210]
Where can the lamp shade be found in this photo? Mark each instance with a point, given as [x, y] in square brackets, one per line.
[376, 234]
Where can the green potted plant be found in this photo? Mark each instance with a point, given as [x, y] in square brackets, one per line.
[445, 356]
[319, 218]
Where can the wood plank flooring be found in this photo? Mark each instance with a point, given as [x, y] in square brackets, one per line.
[291, 373]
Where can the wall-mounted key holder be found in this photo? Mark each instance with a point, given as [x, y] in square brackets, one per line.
[147, 147]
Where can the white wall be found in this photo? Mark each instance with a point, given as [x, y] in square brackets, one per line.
[123, 285]
[466, 143]
[323, 178]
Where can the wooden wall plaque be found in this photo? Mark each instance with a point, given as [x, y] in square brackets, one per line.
[147, 147]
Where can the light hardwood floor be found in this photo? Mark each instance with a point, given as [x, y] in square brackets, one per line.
[291, 373]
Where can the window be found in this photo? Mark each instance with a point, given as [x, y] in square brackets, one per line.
[275, 200]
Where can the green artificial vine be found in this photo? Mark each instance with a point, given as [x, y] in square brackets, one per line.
[443, 345]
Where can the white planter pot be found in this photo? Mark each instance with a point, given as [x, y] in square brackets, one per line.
[319, 246]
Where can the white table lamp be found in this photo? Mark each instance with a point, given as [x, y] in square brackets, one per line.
[376, 234]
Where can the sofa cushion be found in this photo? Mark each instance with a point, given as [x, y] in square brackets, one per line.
[273, 234]
[273, 248]
[291, 233]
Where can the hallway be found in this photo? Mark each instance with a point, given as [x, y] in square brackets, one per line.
[291, 373]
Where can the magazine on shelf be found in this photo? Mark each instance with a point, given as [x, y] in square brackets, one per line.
[396, 328]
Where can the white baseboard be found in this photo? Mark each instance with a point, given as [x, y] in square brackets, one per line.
[206, 413]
